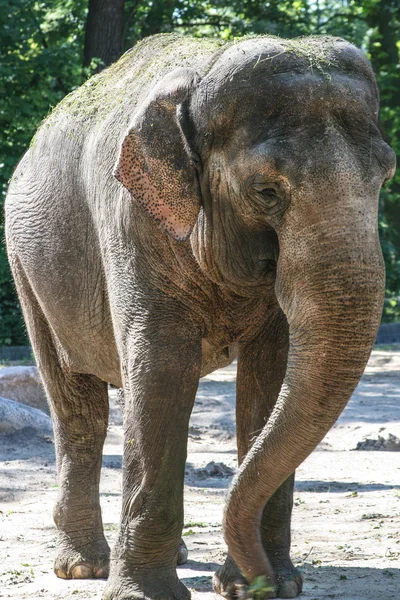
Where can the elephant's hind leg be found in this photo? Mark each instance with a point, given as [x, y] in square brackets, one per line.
[79, 409]
[80, 414]
[261, 370]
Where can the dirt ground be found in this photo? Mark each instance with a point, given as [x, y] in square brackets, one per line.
[346, 523]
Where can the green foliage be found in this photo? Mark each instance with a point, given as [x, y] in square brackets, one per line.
[12, 329]
[259, 587]
[40, 57]
[390, 242]
[41, 54]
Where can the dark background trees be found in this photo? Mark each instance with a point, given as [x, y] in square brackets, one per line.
[49, 47]
[104, 31]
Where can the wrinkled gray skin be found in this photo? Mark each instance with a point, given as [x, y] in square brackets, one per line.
[194, 200]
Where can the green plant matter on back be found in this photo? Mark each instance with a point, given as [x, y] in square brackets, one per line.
[137, 68]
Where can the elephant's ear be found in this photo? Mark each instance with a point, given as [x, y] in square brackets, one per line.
[155, 162]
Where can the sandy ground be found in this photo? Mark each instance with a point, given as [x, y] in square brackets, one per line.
[346, 524]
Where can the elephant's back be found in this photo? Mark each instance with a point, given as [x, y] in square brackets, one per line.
[76, 146]
[97, 114]
[121, 87]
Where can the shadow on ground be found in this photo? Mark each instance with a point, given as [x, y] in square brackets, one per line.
[340, 486]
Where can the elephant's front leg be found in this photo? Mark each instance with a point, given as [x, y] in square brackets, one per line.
[161, 370]
[261, 370]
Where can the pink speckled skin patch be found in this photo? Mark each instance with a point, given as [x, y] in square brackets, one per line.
[154, 164]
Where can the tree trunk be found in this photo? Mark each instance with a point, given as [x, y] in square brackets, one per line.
[104, 31]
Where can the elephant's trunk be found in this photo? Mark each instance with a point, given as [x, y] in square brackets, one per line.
[333, 305]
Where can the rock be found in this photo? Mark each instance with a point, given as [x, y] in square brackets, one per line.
[195, 432]
[15, 416]
[214, 469]
[391, 444]
[23, 384]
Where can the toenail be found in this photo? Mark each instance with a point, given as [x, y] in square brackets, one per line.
[101, 573]
[61, 574]
[81, 572]
[289, 589]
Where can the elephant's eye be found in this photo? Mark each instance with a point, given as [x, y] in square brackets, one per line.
[269, 194]
[269, 197]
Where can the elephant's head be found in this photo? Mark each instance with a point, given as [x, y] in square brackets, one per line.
[274, 161]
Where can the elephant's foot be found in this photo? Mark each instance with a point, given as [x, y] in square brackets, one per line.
[82, 561]
[289, 581]
[182, 553]
[229, 582]
[146, 585]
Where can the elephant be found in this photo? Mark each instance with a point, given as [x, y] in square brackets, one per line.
[196, 201]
